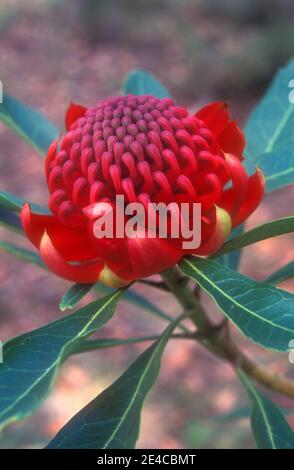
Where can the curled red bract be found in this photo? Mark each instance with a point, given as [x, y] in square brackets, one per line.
[148, 150]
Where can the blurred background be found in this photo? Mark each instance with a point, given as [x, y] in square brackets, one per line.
[53, 52]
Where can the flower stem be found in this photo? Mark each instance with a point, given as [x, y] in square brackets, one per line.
[178, 285]
[217, 340]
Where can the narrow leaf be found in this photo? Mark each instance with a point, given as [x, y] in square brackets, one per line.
[282, 274]
[14, 203]
[103, 343]
[10, 221]
[269, 426]
[74, 294]
[32, 360]
[140, 82]
[263, 232]
[245, 412]
[28, 123]
[260, 311]
[112, 420]
[21, 253]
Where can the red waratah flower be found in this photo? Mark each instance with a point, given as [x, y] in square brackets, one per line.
[148, 150]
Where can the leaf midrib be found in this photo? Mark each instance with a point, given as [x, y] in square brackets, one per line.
[281, 173]
[146, 370]
[279, 128]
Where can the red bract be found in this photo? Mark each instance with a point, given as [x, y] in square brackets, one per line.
[148, 150]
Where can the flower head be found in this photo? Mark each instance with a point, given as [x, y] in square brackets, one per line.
[148, 150]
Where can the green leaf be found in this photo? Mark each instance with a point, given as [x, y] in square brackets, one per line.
[269, 426]
[282, 274]
[74, 294]
[260, 311]
[245, 412]
[10, 221]
[263, 232]
[112, 420]
[269, 132]
[31, 361]
[271, 123]
[28, 123]
[21, 253]
[278, 167]
[140, 82]
[14, 203]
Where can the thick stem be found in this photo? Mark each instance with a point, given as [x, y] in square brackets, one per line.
[226, 349]
[177, 284]
[216, 339]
